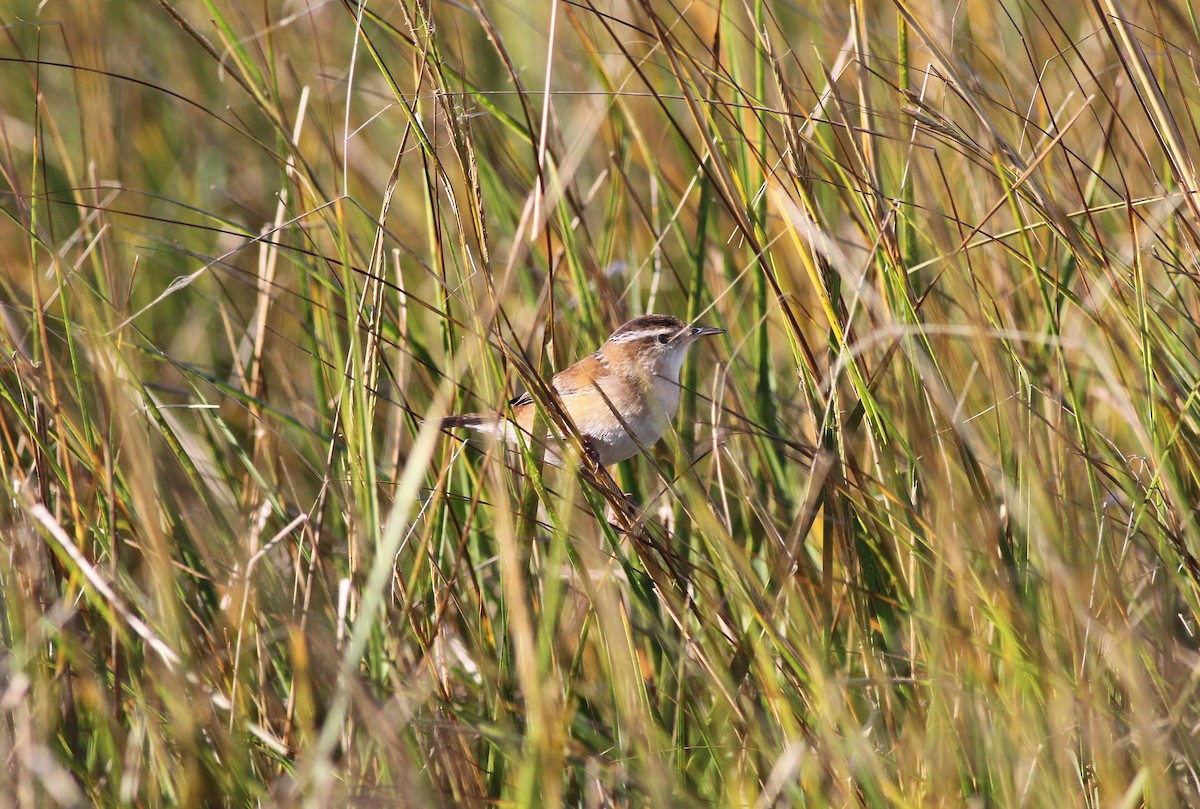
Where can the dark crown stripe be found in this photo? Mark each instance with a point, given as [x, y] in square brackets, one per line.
[649, 324]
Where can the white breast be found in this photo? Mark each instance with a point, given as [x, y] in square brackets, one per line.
[645, 427]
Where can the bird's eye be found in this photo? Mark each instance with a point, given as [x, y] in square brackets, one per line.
[664, 339]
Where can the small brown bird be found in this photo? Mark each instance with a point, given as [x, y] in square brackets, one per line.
[621, 397]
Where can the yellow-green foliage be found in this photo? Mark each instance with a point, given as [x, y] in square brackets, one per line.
[925, 533]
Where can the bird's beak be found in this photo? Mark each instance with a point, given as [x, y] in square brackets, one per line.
[704, 331]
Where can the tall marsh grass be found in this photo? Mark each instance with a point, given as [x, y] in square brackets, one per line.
[925, 533]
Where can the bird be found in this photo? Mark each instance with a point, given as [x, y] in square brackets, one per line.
[621, 397]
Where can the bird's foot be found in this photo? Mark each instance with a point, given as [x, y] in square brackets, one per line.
[625, 516]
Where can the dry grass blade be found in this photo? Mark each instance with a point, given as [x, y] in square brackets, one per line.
[922, 532]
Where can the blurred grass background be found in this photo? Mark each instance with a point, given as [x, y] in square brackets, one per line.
[925, 534]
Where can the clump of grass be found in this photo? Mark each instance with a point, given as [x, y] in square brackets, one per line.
[925, 533]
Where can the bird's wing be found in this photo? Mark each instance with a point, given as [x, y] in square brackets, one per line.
[582, 377]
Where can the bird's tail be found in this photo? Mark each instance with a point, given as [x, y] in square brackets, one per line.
[472, 421]
[484, 428]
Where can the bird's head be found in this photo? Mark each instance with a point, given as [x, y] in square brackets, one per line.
[654, 344]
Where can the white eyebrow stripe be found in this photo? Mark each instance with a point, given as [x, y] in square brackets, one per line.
[641, 335]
